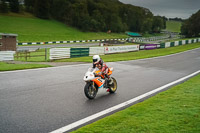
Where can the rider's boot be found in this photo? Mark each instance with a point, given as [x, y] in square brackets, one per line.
[110, 81]
[106, 83]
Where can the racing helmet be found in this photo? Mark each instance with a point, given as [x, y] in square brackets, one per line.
[96, 59]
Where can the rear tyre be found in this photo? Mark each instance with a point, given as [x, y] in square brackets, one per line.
[113, 86]
[90, 91]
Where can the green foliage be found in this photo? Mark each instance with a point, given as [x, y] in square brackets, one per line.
[94, 15]
[191, 26]
[3, 7]
[29, 4]
[158, 24]
[14, 6]
[41, 9]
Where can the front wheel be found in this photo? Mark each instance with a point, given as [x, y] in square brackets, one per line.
[90, 91]
[113, 86]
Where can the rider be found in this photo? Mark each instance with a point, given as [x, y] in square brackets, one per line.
[98, 62]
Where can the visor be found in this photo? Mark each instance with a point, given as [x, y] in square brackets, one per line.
[94, 60]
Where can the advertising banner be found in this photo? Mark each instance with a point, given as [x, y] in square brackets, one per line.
[149, 46]
[96, 50]
[183, 42]
[176, 43]
[117, 49]
[167, 44]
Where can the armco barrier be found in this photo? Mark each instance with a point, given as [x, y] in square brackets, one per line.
[172, 44]
[59, 53]
[79, 52]
[177, 43]
[96, 50]
[56, 42]
[147, 39]
[7, 55]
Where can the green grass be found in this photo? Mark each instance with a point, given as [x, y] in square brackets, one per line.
[173, 26]
[153, 35]
[175, 110]
[35, 56]
[136, 55]
[30, 29]
[106, 58]
[9, 67]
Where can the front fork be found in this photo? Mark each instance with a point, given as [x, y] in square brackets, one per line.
[93, 85]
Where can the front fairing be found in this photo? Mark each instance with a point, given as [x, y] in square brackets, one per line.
[90, 76]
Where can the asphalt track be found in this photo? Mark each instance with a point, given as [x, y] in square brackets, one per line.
[43, 100]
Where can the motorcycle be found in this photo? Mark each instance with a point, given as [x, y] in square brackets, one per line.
[95, 80]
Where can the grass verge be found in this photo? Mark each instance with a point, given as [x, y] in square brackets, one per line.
[9, 67]
[107, 58]
[173, 26]
[175, 110]
[35, 56]
[136, 55]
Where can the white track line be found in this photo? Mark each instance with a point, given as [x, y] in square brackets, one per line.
[163, 55]
[97, 115]
[46, 68]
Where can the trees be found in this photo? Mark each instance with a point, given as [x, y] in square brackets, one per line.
[158, 24]
[41, 9]
[14, 6]
[29, 5]
[94, 15]
[191, 26]
[3, 7]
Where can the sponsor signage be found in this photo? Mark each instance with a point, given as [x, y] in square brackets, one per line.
[149, 46]
[117, 49]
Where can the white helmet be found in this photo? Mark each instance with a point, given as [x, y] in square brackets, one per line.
[96, 59]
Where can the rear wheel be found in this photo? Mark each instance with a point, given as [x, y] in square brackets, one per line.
[113, 86]
[90, 91]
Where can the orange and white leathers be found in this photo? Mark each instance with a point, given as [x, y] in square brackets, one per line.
[99, 81]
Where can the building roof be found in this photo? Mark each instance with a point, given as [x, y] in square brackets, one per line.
[133, 34]
[7, 34]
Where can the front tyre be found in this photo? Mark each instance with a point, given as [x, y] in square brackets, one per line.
[113, 86]
[90, 91]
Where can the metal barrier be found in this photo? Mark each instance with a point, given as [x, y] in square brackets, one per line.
[7, 55]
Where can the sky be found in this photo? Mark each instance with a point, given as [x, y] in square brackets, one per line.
[168, 8]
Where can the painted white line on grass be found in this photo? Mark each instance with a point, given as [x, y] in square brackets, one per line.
[97, 115]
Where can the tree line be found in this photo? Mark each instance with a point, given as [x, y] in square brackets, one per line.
[10, 5]
[191, 27]
[93, 15]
